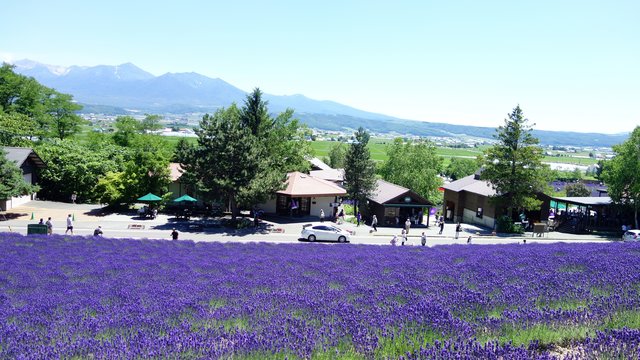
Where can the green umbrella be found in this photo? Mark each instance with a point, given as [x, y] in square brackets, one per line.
[150, 197]
[185, 198]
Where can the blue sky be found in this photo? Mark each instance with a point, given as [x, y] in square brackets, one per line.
[571, 65]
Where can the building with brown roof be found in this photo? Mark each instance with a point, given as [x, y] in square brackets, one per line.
[305, 195]
[467, 200]
[392, 204]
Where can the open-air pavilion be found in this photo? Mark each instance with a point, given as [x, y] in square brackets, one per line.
[579, 214]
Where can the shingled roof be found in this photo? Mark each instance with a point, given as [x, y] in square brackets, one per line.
[19, 155]
[386, 191]
[471, 184]
[299, 184]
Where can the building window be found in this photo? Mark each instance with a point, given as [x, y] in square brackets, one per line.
[479, 213]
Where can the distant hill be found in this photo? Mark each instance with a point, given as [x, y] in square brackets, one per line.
[116, 88]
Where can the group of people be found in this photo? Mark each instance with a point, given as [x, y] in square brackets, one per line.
[49, 225]
[403, 237]
[423, 237]
[70, 220]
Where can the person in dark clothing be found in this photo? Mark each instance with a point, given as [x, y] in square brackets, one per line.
[441, 227]
[97, 231]
[174, 234]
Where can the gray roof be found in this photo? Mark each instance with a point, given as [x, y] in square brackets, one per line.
[319, 164]
[386, 191]
[585, 200]
[335, 175]
[19, 155]
[471, 184]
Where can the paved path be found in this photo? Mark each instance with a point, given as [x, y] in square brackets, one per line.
[128, 225]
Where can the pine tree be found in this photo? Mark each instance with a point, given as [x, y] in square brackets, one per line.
[360, 170]
[622, 174]
[514, 166]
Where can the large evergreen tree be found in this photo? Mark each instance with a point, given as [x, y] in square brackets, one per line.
[414, 165]
[514, 166]
[622, 174]
[243, 154]
[360, 170]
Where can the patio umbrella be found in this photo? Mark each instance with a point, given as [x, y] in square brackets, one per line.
[186, 198]
[149, 198]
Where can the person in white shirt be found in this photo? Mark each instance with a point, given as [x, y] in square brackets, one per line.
[69, 225]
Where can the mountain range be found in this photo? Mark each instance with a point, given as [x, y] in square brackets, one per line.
[118, 89]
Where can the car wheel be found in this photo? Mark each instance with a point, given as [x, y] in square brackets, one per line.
[342, 239]
[312, 238]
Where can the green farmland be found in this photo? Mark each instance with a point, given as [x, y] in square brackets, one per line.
[378, 152]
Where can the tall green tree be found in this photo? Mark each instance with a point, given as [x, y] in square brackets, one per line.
[17, 130]
[337, 155]
[127, 130]
[11, 181]
[227, 157]
[360, 170]
[54, 112]
[144, 169]
[414, 165]
[514, 166]
[577, 190]
[76, 168]
[151, 123]
[461, 167]
[243, 154]
[61, 114]
[622, 174]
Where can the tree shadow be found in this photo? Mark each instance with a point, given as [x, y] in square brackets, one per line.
[6, 216]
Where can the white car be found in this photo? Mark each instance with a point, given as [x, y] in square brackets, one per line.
[324, 231]
[631, 235]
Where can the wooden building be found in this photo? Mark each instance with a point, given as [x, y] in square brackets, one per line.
[393, 203]
[305, 195]
[467, 200]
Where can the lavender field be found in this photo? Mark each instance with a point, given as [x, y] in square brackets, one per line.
[74, 297]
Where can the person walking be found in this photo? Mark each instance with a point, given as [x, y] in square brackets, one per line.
[404, 236]
[321, 215]
[358, 218]
[69, 225]
[394, 240]
[97, 231]
[174, 234]
[423, 239]
[41, 221]
[407, 224]
[441, 227]
[374, 223]
[458, 229]
[49, 226]
[341, 216]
